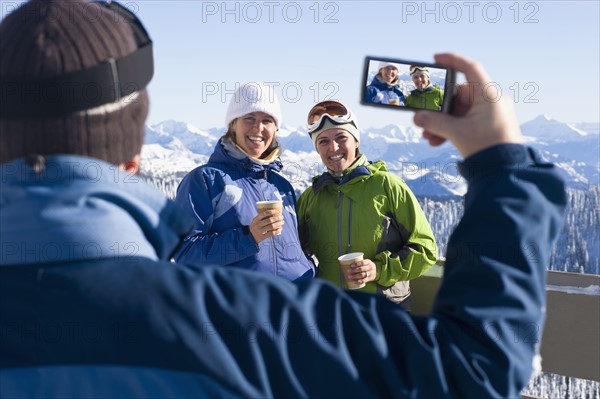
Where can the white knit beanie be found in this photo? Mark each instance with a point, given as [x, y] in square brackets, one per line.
[253, 97]
[384, 64]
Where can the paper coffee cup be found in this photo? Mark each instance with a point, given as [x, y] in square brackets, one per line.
[264, 205]
[345, 262]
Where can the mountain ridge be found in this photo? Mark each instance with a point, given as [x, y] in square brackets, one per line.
[176, 147]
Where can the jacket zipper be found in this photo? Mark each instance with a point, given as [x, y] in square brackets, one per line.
[272, 239]
[349, 224]
[340, 233]
[340, 206]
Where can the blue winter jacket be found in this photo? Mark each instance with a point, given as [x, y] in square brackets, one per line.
[121, 324]
[381, 92]
[221, 197]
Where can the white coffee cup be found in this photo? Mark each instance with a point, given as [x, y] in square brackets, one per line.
[345, 262]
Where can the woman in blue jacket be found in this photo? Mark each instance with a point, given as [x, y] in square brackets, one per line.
[221, 195]
[385, 87]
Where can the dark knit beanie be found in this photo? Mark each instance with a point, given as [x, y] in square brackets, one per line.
[45, 38]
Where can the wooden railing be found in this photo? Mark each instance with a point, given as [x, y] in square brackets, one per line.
[571, 337]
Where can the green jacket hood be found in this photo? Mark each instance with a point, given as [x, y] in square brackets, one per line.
[361, 170]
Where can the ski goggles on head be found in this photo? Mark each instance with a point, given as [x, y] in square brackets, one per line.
[416, 69]
[335, 111]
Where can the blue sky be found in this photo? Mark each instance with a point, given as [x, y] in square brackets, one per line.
[543, 55]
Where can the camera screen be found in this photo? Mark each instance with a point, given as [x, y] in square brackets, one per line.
[408, 85]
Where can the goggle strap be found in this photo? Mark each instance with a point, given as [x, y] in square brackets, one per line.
[414, 70]
[337, 122]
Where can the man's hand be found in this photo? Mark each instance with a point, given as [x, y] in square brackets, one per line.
[478, 121]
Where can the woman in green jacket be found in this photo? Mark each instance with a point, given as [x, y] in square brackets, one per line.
[357, 206]
[425, 95]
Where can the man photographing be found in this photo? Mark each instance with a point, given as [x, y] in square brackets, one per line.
[90, 306]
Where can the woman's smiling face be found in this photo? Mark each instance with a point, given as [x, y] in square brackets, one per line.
[254, 132]
[389, 73]
[420, 79]
[337, 149]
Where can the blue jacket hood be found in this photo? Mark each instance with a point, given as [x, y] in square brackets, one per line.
[80, 208]
[380, 91]
[222, 156]
[382, 85]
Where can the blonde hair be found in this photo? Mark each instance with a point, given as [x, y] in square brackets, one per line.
[230, 134]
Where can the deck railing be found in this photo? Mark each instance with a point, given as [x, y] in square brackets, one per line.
[571, 336]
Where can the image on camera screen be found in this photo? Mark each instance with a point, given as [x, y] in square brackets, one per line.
[406, 85]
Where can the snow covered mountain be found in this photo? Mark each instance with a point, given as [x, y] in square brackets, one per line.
[574, 150]
[173, 148]
[547, 129]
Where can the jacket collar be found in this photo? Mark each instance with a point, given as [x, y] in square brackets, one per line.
[228, 153]
[382, 84]
[79, 208]
[428, 88]
[358, 169]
